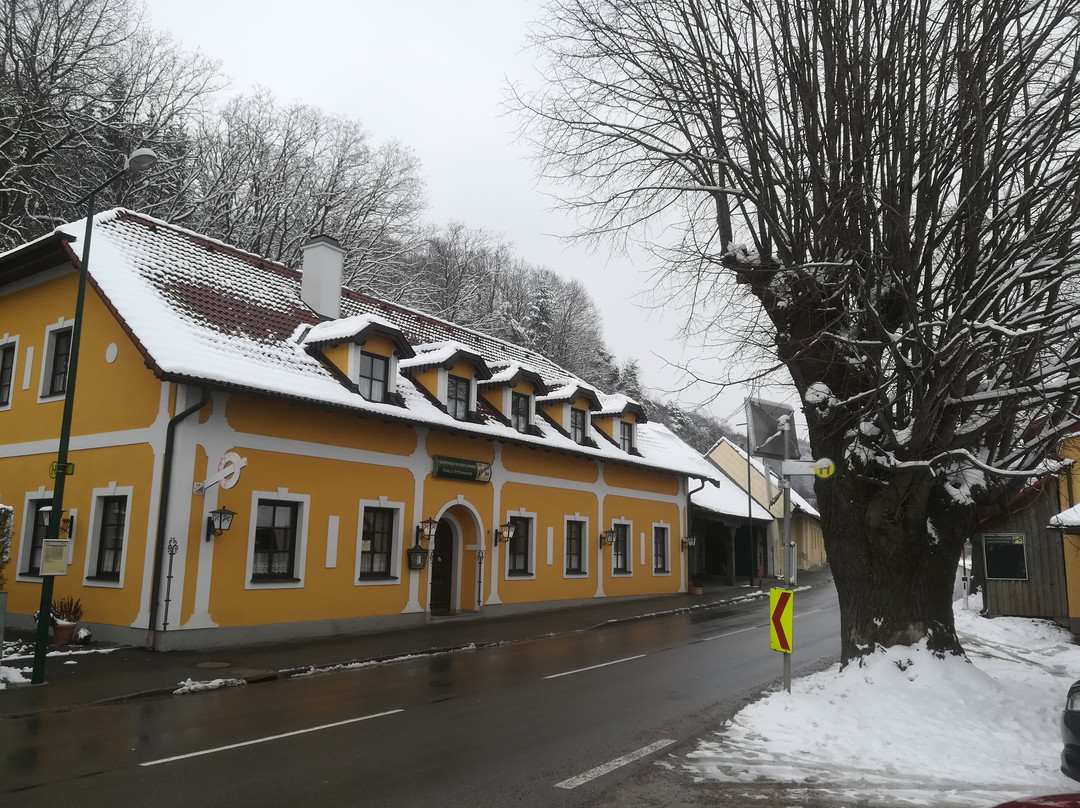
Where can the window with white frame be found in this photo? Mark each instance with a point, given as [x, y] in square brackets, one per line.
[660, 548]
[109, 537]
[519, 411]
[457, 396]
[620, 548]
[575, 547]
[626, 436]
[57, 358]
[35, 537]
[577, 425]
[377, 543]
[374, 371]
[7, 372]
[276, 539]
[520, 547]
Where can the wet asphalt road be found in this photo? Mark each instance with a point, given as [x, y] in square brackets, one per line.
[575, 720]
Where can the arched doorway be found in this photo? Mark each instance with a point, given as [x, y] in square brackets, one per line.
[442, 570]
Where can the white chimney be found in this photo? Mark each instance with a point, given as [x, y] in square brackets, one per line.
[320, 283]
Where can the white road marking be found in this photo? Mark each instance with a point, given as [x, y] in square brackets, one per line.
[593, 667]
[731, 633]
[803, 614]
[612, 765]
[269, 738]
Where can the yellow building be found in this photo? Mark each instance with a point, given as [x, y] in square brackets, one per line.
[341, 431]
[763, 488]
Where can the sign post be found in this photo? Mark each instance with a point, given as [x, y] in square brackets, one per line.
[781, 612]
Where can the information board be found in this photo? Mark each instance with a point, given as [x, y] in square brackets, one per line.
[1005, 555]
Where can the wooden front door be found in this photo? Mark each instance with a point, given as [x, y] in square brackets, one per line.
[442, 570]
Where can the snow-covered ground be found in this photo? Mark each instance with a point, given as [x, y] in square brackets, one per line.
[17, 663]
[909, 729]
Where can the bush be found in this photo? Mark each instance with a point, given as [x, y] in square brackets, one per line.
[68, 609]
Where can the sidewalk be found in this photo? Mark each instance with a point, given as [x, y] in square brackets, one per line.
[82, 676]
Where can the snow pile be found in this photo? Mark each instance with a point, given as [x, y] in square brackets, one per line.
[191, 686]
[16, 676]
[908, 728]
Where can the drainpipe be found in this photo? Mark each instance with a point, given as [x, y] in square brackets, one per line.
[163, 512]
[689, 518]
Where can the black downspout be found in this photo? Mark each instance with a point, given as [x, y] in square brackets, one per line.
[163, 512]
[690, 525]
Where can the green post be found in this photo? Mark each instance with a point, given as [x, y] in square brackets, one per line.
[52, 532]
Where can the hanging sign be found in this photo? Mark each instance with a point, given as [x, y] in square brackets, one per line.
[456, 468]
[228, 473]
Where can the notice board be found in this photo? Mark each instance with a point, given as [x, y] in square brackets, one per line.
[1005, 555]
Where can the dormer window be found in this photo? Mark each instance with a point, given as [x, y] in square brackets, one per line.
[457, 396]
[519, 412]
[374, 370]
[626, 436]
[577, 425]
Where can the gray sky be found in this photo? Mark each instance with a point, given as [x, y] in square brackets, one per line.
[432, 74]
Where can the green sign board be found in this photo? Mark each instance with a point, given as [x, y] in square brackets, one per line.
[455, 468]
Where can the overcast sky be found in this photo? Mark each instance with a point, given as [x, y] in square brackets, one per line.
[432, 74]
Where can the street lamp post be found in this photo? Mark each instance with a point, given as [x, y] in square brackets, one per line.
[138, 160]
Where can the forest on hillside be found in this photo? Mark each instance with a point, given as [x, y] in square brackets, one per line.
[83, 82]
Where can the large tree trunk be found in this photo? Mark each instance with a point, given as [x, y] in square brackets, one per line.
[894, 577]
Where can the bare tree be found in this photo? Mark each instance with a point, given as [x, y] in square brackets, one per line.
[82, 83]
[265, 178]
[897, 185]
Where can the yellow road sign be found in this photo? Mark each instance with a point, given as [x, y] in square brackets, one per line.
[824, 468]
[781, 610]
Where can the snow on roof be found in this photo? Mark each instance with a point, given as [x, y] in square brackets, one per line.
[616, 405]
[203, 312]
[343, 328]
[728, 499]
[1067, 519]
[436, 353]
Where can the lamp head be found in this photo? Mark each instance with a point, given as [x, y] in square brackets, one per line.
[425, 531]
[504, 533]
[141, 159]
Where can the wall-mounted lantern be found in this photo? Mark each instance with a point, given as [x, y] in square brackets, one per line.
[504, 533]
[425, 531]
[218, 521]
[607, 537]
[689, 541]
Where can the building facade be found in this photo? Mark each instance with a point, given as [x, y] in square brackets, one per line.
[340, 431]
[762, 486]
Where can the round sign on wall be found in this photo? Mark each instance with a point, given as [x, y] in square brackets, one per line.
[824, 468]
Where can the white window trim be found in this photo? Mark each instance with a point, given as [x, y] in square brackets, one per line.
[533, 540]
[47, 360]
[303, 513]
[667, 555]
[585, 545]
[508, 405]
[93, 535]
[443, 393]
[397, 545]
[629, 550]
[6, 340]
[391, 367]
[633, 435]
[27, 533]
